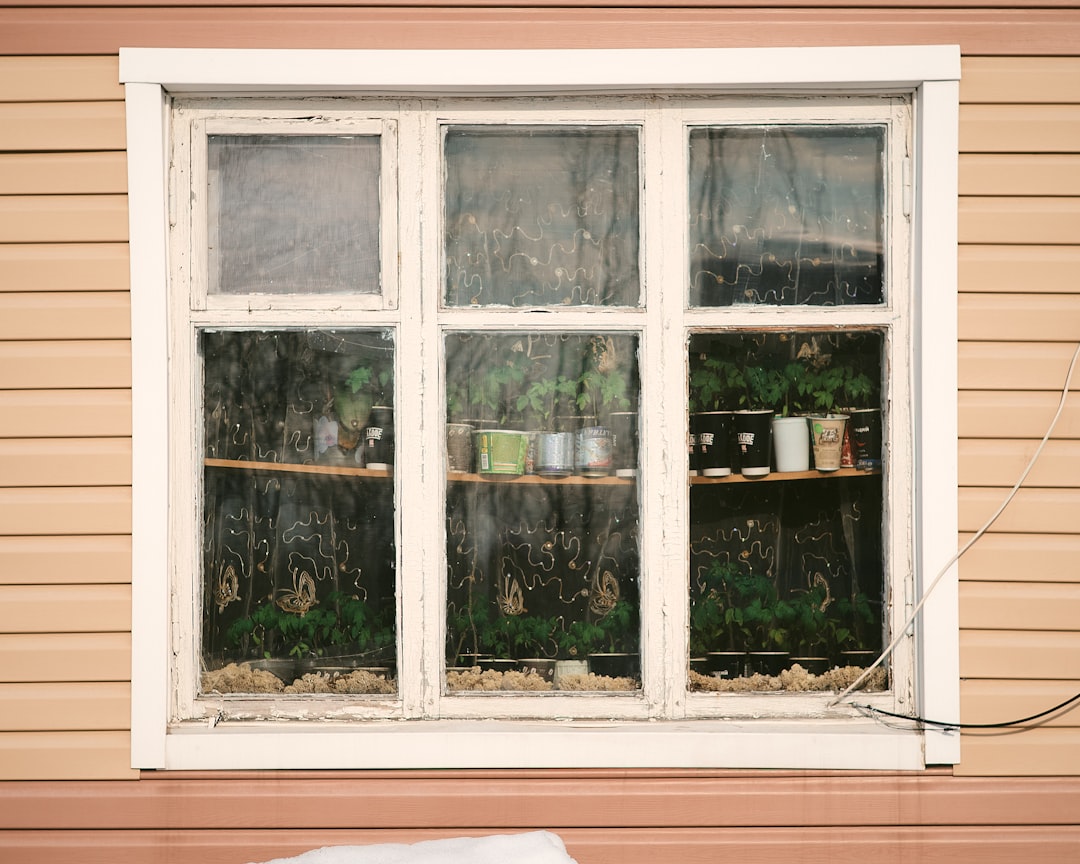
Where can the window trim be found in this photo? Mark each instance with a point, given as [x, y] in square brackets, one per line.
[931, 73]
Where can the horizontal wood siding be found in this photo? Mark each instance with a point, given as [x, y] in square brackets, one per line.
[64, 266]
[1007, 557]
[65, 506]
[604, 817]
[80, 413]
[1019, 326]
[66, 560]
[65, 658]
[65, 445]
[589, 846]
[1043, 29]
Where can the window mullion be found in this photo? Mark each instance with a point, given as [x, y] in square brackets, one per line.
[666, 498]
[417, 423]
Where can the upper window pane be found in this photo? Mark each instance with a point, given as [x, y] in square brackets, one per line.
[786, 215]
[293, 214]
[542, 216]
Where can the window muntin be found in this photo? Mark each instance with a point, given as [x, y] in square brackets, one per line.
[787, 215]
[298, 543]
[542, 216]
[293, 214]
[543, 560]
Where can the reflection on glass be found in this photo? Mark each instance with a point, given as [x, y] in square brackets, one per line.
[293, 214]
[786, 215]
[542, 216]
[542, 543]
[787, 571]
[298, 554]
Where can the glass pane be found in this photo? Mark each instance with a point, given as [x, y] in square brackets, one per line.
[786, 215]
[542, 512]
[298, 555]
[293, 214]
[787, 574]
[542, 216]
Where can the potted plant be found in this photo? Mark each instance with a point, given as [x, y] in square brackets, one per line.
[766, 616]
[498, 371]
[790, 430]
[541, 400]
[362, 400]
[576, 641]
[716, 388]
[852, 630]
[837, 379]
[742, 617]
[458, 431]
[809, 631]
[619, 657]
[602, 387]
[743, 612]
[348, 627]
[273, 638]
[717, 632]
[765, 391]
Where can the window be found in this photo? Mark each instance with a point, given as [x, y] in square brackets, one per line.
[462, 380]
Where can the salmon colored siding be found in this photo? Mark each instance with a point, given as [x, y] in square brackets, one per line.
[66, 790]
[1025, 29]
[1019, 324]
[605, 817]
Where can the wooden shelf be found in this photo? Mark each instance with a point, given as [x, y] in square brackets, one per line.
[776, 476]
[523, 479]
[536, 479]
[292, 468]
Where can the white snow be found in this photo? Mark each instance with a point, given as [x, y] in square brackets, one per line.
[534, 847]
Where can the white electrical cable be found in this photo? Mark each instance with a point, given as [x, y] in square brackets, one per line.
[971, 542]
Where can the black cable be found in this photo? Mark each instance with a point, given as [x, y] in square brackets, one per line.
[944, 725]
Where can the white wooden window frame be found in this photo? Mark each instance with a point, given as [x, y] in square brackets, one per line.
[614, 737]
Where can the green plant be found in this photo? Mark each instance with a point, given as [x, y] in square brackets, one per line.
[621, 627]
[580, 639]
[457, 399]
[343, 622]
[765, 388]
[810, 633]
[851, 623]
[738, 611]
[841, 370]
[538, 403]
[716, 621]
[528, 635]
[348, 622]
[716, 383]
[766, 614]
[368, 383]
[275, 632]
[708, 628]
[838, 385]
[603, 382]
[492, 371]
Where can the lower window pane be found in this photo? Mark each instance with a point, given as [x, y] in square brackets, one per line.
[542, 512]
[787, 575]
[298, 556]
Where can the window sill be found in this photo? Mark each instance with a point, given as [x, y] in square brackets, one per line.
[808, 744]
